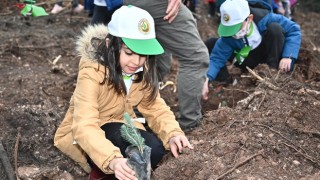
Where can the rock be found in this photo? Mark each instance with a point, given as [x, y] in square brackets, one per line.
[295, 162]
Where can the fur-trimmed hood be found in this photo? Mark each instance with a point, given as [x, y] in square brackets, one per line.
[85, 43]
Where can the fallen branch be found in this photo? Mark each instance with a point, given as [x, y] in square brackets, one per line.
[244, 103]
[16, 147]
[267, 83]
[6, 163]
[239, 164]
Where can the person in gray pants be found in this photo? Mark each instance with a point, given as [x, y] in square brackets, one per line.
[177, 32]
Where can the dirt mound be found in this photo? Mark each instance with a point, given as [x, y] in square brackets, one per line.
[272, 133]
[252, 129]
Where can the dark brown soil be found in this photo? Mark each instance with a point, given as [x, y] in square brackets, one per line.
[251, 130]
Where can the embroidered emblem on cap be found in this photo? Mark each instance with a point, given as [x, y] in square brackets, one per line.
[226, 17]
[144, 26]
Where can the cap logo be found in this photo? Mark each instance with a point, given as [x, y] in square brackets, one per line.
[144, 26]
[226, 17]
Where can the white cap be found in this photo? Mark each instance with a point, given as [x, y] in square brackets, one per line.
[233, 13]
[133, 25]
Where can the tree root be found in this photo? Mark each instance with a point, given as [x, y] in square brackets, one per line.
[6, 163]
[16, 147]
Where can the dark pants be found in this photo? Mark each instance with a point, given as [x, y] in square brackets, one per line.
[212, 8]
[112, 131]
[269, 51]
[101, 15]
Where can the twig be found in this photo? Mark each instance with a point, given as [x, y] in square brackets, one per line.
[277, 75]
[270, 129]
[38, 47]
[310, 158]
[4, 14]
[270, 85]
[239, 164]
[16, 147]
[6, 163]
[54, 62]
[314, 46]
[245, 102]
[235, 90]
[315, 133]
[167, 83]
[309, 91]
[265, 94]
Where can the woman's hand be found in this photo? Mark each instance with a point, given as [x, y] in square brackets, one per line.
[121, 170]
[172, 10]
[177, 143]
[285, 64]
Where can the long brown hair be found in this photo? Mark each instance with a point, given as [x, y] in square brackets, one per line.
[109, 56]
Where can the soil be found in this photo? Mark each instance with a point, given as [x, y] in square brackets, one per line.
[252, 129]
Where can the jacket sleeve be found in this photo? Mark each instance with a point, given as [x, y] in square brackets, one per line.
[291, 32]
[160, 119]
[219, 56]
[86, 123]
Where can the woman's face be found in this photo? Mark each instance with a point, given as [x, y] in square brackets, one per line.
[130, 62]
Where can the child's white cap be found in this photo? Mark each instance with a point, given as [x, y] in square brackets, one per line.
[136, 28]
[233, 13]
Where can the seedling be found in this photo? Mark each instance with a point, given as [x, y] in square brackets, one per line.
[138, 153]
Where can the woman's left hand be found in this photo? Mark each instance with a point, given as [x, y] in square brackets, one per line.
[177, 143]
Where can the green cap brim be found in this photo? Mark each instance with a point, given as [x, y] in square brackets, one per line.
[144, 46]
[226, 31]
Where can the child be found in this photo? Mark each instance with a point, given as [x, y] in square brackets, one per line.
[250, 36]
[117, 73]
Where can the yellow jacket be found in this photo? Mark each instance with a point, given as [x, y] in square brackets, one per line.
[93, 105]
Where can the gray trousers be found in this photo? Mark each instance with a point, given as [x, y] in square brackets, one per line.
[181, 39]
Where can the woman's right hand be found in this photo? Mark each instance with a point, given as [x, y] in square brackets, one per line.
[121, 170]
